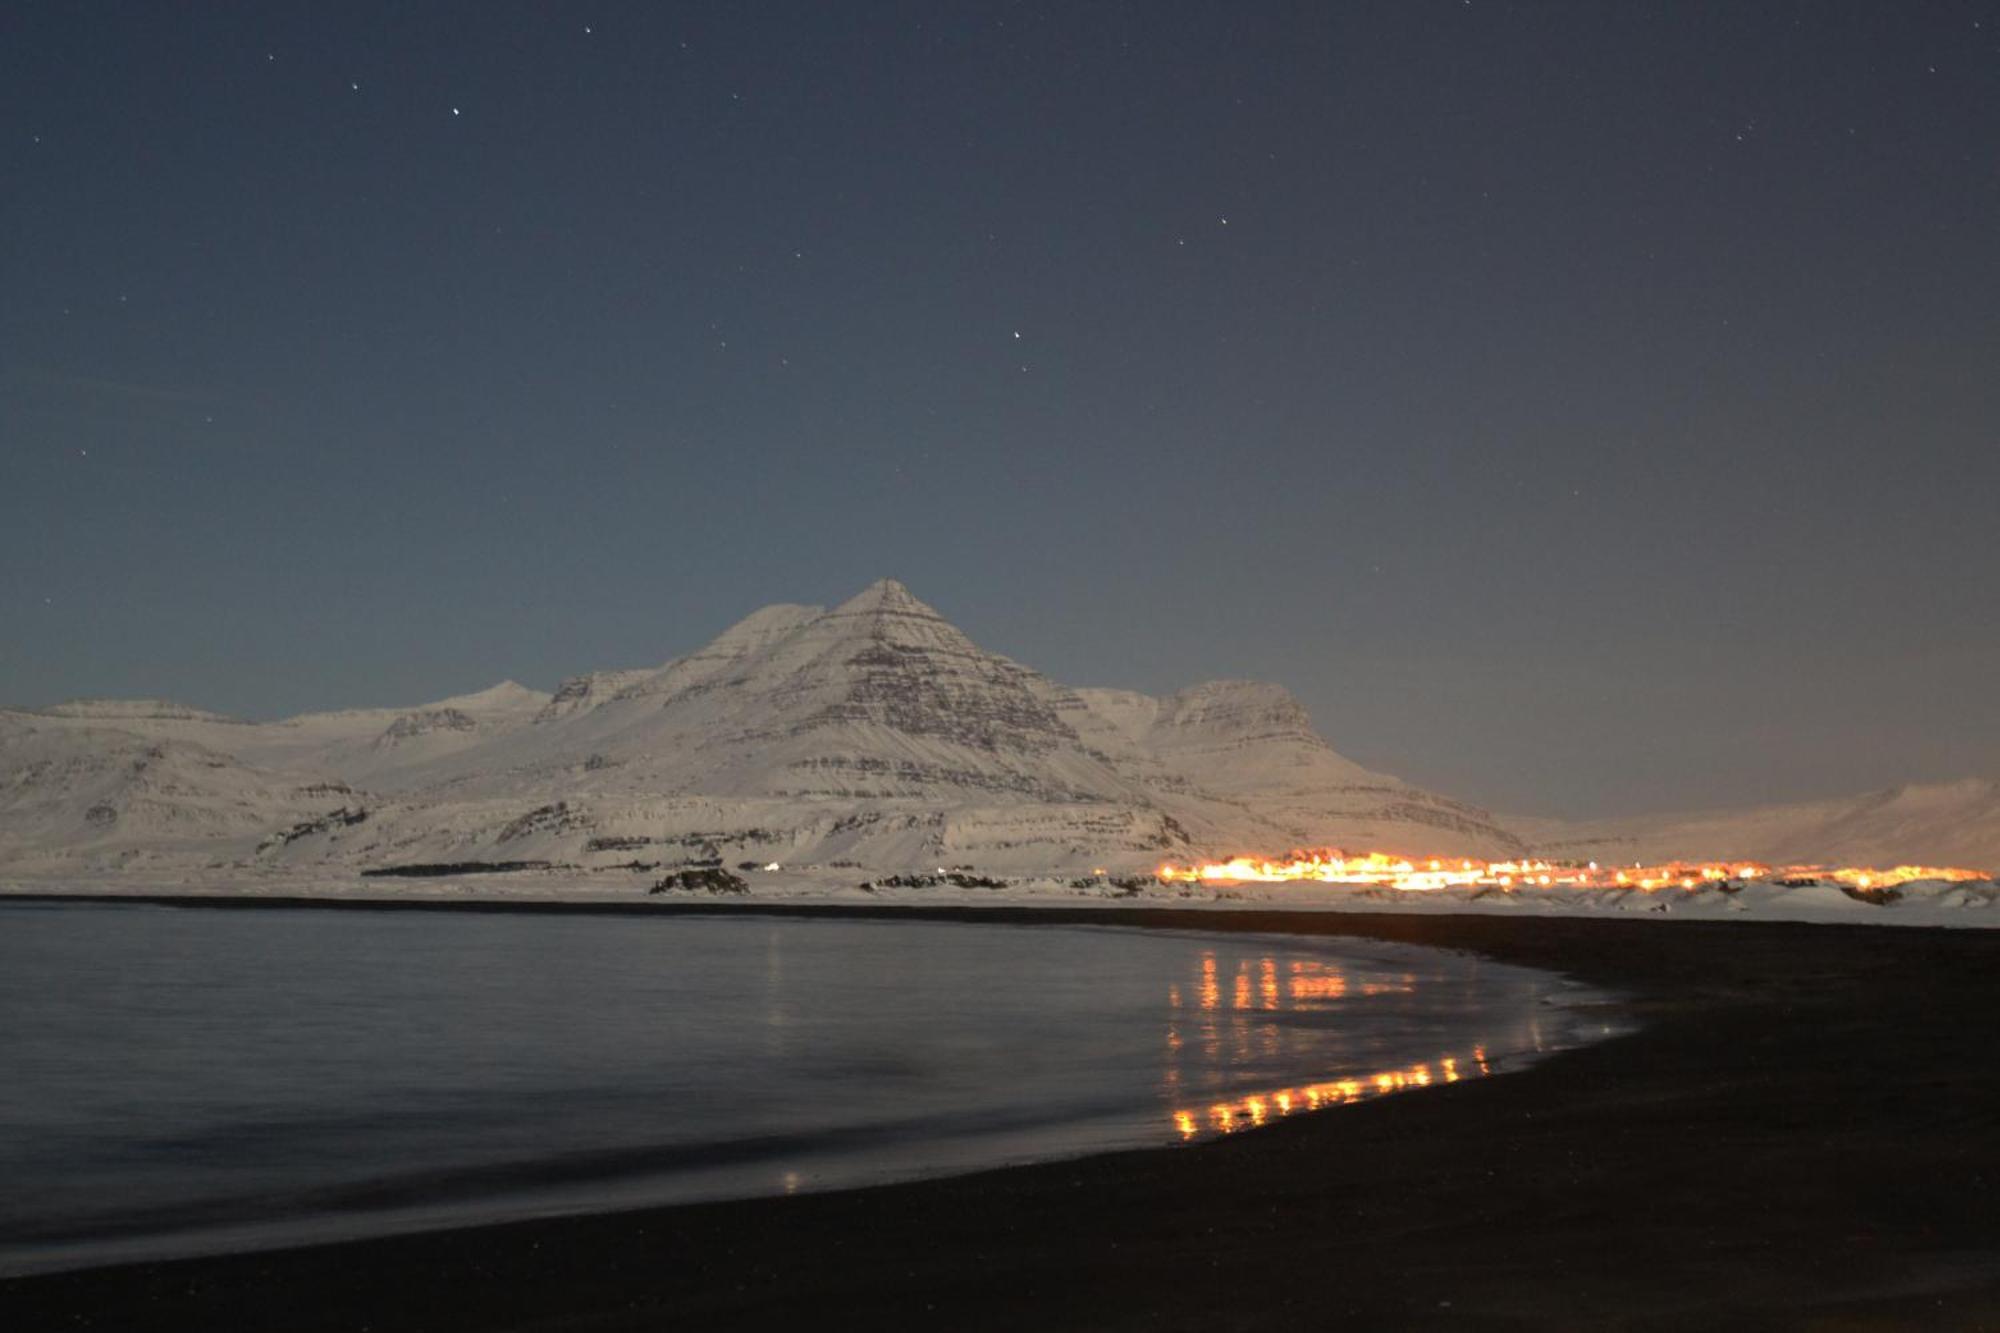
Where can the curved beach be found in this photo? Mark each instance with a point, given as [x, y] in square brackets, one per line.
[1800, 1133]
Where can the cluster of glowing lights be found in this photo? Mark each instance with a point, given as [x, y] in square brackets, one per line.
[1263, 1107]
[1419, 875]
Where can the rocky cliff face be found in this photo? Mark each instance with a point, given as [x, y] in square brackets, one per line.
[887, 660]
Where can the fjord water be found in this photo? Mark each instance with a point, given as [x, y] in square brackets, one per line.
[187, 1081]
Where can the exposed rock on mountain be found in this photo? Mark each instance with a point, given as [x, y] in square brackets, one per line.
[412, 725]
[580, 694]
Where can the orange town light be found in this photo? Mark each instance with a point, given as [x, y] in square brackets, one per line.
[1385, 870]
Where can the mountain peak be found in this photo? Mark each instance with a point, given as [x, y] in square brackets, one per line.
[508, 696]
[887, 596]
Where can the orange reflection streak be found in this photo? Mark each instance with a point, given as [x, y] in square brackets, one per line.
[1268, 983]
[1332, 866]
[1242, 991]
[1262, 1107]
[1211, 994]
[1318, 988]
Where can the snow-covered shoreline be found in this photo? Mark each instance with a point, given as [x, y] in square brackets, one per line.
[1922, 903]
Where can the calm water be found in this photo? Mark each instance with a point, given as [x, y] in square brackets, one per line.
[184, 1081]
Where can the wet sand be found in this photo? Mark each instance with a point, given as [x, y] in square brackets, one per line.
[1805, 1132]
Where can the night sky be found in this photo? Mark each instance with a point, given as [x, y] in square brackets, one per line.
[1584, 407]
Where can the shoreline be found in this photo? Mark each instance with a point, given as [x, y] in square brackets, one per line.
[1919, 904]
[1799, 1131]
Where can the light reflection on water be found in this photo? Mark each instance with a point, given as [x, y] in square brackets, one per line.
[190, 1081]
[1229, 1035]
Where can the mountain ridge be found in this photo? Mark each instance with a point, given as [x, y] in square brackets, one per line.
[874, 733]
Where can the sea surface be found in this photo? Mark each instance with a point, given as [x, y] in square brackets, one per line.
[186, 1081]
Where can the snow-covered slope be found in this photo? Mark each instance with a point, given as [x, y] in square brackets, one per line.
[354, 744]
[379, 746]
[94, 799]
[874, 735]
[580, 694]
[1953, 823]
[875, 732]
[1254, 743]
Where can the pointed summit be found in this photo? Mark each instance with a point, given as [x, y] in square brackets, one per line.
[886, 597]
[886, 612]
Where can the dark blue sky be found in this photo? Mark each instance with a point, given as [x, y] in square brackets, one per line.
[1584, 407]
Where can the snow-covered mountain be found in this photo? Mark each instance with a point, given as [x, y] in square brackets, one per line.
[875, 732]
[77, 794]
[1950, 823]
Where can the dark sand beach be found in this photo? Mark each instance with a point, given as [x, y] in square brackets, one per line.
[1804, 1132]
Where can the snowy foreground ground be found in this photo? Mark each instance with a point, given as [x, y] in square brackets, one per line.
[1920, 903]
